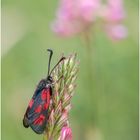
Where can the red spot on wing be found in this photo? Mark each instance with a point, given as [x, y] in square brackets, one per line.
[39, 120]
[31, 103]
[46, 105]
[38, 109]
[44, 94]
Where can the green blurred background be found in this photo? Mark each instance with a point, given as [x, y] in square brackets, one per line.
[108, 111]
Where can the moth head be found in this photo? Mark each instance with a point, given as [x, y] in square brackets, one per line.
[49, 79]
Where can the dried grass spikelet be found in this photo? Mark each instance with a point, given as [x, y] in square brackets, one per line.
[63, 91]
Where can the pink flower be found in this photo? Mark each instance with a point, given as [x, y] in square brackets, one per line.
[113, 15]
[115, 11]
[88, 9]
[66, 133]
[116, 32]
[74, 16]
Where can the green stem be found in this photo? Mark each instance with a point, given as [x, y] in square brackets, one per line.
[90, 74]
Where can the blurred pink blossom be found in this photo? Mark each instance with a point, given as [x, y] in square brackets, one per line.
[66, 133]
[113, 15]
[74, 16]
[114, 11]
[88, 9]
[116, 32]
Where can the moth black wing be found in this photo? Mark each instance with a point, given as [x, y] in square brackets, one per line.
[37, 111]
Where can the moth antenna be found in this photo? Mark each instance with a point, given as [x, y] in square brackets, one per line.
[62, 58]
[50, 57]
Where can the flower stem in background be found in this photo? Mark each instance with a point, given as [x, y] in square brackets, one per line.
[65, 75]
[91, 72]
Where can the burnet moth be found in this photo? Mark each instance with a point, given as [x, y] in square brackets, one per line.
[36, 115]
